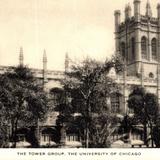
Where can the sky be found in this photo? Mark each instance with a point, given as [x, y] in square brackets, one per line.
[81, 28]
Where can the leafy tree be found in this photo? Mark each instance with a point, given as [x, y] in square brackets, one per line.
[156, 132]
[59, 105]
[23, 101]
[126, 125]
[145, 107]
[88, 86]
[4, 137]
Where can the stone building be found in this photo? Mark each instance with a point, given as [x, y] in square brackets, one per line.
[137, 40]
[50, 79]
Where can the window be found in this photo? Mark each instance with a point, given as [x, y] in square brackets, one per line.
[72, 137]
[144, 48]
[154, 48]
[46, 137]
[123, 50]
[115, 103]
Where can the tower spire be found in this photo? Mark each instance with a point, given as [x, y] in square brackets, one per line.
[148, 9]
[127, 11]
[21, 57]
[44, 66]
[44, 56]
[66, 62]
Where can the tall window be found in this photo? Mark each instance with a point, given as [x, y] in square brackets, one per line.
[115, 103]
[154, 48]
[132, 49]
[144, 47]
[123, 50]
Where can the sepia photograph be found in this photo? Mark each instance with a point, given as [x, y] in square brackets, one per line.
[79, 74]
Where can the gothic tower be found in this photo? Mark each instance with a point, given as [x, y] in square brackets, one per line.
[137, 39]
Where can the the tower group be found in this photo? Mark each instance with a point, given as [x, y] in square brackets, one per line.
[137, 40]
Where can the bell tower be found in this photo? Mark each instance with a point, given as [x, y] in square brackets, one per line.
[138, 39]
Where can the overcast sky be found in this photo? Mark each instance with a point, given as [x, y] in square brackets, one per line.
[79, 27]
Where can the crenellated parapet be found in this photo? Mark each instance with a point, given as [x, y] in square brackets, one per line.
[48, 78]
[38, 73]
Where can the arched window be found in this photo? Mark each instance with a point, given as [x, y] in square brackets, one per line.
[123, 50]
[154, 48]
[144, 47]
[115, 103]
[133, 48]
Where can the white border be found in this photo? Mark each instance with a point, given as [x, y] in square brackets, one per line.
[80, 154]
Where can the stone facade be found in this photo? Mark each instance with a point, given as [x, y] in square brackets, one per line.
[137, 40]
[46, 131]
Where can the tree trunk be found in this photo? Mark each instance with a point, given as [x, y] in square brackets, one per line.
[12, 136]
[145, 134]
[12, 130]
[151, 128]
[15, 134]
[38, 132]
[63, 136]
[87, 123]
[87, 137]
